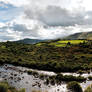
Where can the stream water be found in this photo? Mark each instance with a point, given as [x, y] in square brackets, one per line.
[17, 77]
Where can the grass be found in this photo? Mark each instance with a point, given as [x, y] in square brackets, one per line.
[5, 87]
[71, 41]
[62, 43]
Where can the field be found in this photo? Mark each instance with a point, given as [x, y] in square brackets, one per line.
[62, 43]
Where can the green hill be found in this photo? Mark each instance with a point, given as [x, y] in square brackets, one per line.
[29, 41]
[82, 35]
[54, 55]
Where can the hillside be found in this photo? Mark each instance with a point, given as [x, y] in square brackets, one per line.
[57, 55]
[29, 41]
[82, 35]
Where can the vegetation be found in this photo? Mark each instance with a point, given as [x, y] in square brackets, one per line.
[88, 89]
[57, 79]
[70, 58]
[90, 77]
[62, 43]
[4, 87]
[38, 91]
[74, 87]
[67, 78]
[80, 72]
[81, 35]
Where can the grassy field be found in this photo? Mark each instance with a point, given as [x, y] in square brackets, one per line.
[71, 41]
[63, 43]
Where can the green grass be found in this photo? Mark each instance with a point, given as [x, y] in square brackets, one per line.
[58, 44]
[38, 44]
[72, 41]
[63, 43]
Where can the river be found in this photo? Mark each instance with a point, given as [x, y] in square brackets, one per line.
[17, 77]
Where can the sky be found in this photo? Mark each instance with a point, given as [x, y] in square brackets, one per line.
[44, 19]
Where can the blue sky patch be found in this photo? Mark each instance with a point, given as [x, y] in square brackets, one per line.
[8, 12]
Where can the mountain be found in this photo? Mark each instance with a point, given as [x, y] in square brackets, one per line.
[82, 35]
[29, 41]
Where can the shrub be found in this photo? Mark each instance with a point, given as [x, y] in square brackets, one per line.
[32, 72]
[3, 87]
[90, 77]
[74, 87]
[80, 72]
[29, 72]
[60, 77]
[47, 81]
[42, 76]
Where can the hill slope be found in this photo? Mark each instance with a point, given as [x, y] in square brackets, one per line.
[82, 35]
[48, 55]
[29, 41]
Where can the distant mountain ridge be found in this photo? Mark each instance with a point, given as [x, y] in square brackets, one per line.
[82, 35]
[29, 41]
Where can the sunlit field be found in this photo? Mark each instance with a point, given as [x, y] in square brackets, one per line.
[63, 43]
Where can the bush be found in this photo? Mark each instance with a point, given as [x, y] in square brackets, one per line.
[32, 72]
[80, 72]
[29, 72]
[60, 77]
[42, 76]
[74, 87]
[90, 77]
[3, 87]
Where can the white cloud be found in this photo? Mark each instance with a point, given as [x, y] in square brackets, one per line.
[46, 19]
[2, 25]
[17, 3]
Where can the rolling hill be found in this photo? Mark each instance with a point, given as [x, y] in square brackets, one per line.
[29, 41]
[82, 35]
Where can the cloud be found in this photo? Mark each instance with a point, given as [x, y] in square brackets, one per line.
[17, 3]
[57, 16]
[8, 12]
[15, 31]
[43, 19]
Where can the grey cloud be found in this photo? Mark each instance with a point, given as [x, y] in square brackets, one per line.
[57, 16]
[26, 32]
[5, 38]
[47, 14]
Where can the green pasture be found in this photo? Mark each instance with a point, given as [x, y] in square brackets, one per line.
[62, 43]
